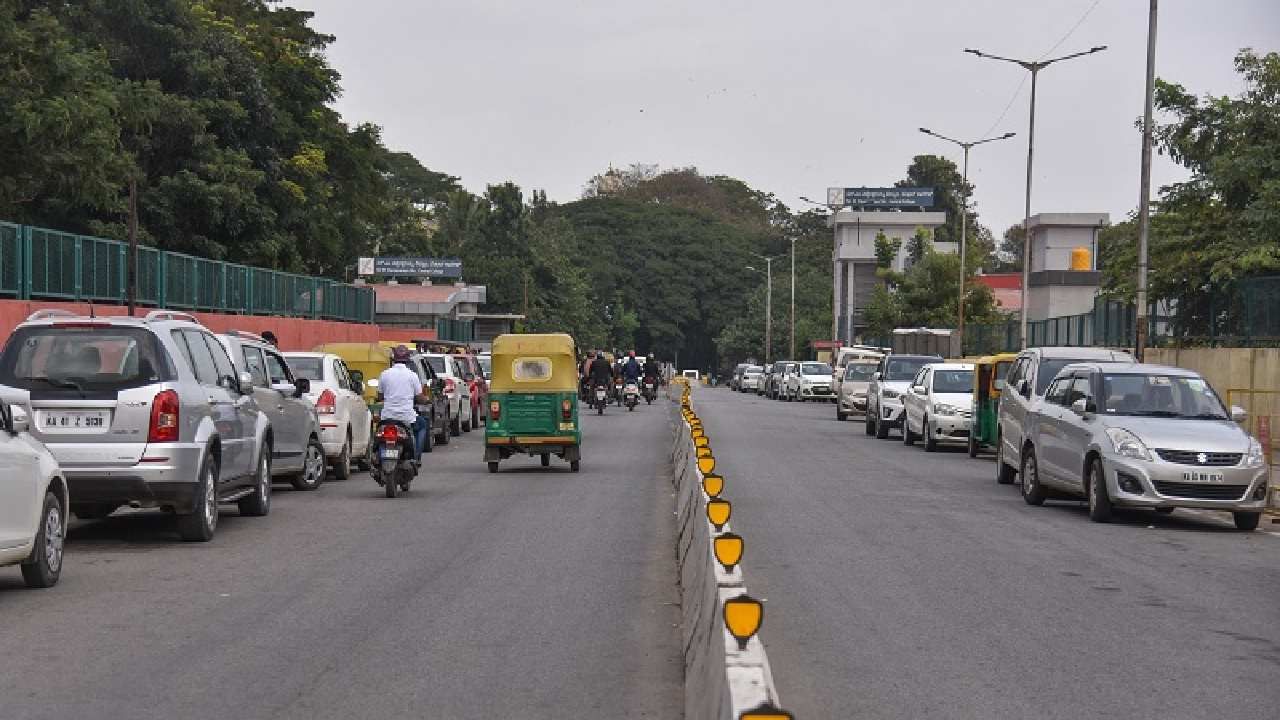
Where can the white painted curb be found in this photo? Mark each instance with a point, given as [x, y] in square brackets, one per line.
[720, 681]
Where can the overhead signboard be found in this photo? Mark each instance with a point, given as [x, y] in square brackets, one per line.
[410, 266]
[893, 197]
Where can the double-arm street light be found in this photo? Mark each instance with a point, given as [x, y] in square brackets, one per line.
[768, 302]
[964, 213]
[1034, 67]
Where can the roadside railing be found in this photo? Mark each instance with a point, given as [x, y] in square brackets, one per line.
[39, 263]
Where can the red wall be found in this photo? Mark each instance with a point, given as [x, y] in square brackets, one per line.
[293, 333]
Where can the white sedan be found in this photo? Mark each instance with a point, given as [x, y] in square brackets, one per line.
[345, 420]
[938, 407]
[33, 503]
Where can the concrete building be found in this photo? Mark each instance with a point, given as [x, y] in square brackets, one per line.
[451, 311]
[855, 258]
[1054, 288]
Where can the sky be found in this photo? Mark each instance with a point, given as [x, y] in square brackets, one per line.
[791, 97]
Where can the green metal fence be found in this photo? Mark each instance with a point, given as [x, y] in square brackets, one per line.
[455, 330]
[38, 263]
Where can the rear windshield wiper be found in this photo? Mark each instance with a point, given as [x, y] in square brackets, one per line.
[64, 383]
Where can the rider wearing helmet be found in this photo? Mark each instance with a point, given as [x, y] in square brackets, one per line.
[399, 389]
[631, 370]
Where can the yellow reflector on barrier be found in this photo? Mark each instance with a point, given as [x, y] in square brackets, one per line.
[766, 712]
[743, 616]
[706, 464]
[701, 441]
[728, 548]
[718, 512]
[704, 452]
[712, 485]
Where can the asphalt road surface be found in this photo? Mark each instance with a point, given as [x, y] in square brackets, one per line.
[527, 594]
[906, 584]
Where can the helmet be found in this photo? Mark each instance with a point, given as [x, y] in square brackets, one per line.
[631, 353]
[400, 354]
[650, 356]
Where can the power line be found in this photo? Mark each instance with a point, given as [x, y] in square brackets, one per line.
[1071, 31]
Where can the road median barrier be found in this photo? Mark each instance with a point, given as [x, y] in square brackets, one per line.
[726, 670]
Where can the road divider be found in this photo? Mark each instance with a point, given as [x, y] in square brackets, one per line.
[726, 670]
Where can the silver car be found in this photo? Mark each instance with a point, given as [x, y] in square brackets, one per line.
[885, 391]
[938, 407]
[147, 412]
[296, 451]
[852, 397]
[1145, 436]
[752, 376]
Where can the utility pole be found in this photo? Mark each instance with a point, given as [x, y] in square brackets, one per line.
[132, 289]
[768, 304]
[793, 298]
[1144, 199]
[964, 218]
[1034, 67]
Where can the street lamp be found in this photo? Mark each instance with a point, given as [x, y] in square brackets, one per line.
[964, 215]
[768, 302]
[835, 259]
[1034, 67]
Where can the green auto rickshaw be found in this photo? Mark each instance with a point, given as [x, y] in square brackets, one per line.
[988, 381]
[533, 400]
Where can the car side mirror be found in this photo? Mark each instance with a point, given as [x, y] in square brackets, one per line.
[438, 385]
[1238, 414]
[359, 388]
[301, 387]
[875, 375]
[357, 377]
[1024, 389]
[918, 389]
[244, 383]
[16, 420]
[1080, 407]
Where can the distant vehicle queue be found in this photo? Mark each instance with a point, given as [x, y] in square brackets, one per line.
[1076, 423]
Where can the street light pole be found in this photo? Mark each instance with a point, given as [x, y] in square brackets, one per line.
[1034, 67]
[1144, 200]
[768, 303]
[793, 299]
[964, 217]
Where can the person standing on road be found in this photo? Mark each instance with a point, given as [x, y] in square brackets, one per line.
[399, 389]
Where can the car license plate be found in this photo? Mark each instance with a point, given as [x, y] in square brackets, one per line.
[74, 421]
[1204, 477]
[390, 452]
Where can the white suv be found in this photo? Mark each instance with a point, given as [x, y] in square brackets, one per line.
[884, 394]
[33, 502]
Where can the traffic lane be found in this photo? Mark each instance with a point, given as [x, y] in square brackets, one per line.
[909, 584]
[529, 593]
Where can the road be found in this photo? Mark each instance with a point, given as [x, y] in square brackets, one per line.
[526, 594]
[905, 584]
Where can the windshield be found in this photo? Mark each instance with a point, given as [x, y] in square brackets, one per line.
[1048, 369]
[310, 368]
[952, 381]
[437, 364]
[753, 369]
[815, 369]
[860, 372]
[486, 364]
[1159, 396]
[905, 369]
[75, 361]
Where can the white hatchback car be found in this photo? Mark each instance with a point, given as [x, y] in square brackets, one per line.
[938, 407]
[345, 420]
[33, 502]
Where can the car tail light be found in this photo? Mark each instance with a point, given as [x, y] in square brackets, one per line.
[566, 409]
[495, 410]
[450, 385]
[389, 433]
[164, 417]
[327, 404]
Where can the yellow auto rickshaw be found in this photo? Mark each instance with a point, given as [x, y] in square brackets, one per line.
[367, 359]
[533, 400]
[988, 381]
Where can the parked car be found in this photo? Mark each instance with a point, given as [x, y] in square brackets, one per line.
[296, 452]
[888, 384]
[473, 374]
[852, 396]
[1146, 436]
[144, 411]
[1024, 389]
[752, 375]
[437, 410]
[33, 502]
[778, 379]
[486, 364]
[735, 380]
[346, 423]
[766, 379]
[846, 355]
[456, 389]
[938, 407]
[809, 381]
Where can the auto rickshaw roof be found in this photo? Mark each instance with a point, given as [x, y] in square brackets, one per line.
[516, 362]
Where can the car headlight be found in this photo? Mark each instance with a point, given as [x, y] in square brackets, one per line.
[1127, 444]
[1255, 457]
[945, 409]
[891, 393]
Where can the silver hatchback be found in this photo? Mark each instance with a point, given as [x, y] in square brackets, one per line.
[1145, 436]
[145, 412]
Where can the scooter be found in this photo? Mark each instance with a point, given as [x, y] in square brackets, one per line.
[395, 468]
[650, 391]
[632, 394]
[617, 391]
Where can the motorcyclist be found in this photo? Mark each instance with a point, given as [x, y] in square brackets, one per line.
[399, 389]
[651, 371]
[601, 371]
[631, 369]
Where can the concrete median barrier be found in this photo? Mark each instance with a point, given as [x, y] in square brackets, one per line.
[722, 679]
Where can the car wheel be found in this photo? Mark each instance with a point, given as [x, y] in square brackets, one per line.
[882, 428]
[312, 475]
[546, 460]
[868, 422]
[930, 439]
[342, 466]
[973, 445]
[1032, 490]
[258, 503]
[840, 414]
[442, 438]
[455, 427]
[575, 465]
[1246, 521]
[430, 441]
[1004, 473]
[908, 437]
[466, 425]
[493, 466]
[43, 568]
[201, 523]
[1099, 501]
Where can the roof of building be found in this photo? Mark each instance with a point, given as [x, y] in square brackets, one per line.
[414, 293]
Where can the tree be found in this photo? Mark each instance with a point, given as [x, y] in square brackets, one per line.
[886, 250]
[917, 245]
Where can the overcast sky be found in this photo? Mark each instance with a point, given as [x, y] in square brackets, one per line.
[791, 97]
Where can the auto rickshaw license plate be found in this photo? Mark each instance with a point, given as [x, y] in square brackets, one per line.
[566, 426]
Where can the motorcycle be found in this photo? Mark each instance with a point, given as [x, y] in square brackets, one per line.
[601, 398]
[632, 394]
[395, 468]
[617, 391]
[650, 391]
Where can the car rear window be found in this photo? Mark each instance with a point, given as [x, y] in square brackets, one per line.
[81, 361]
[905, 368]
[815, 369]
[860, 372]
[1048, 369]
[307, 367]
[437, 364]
[952, 381]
